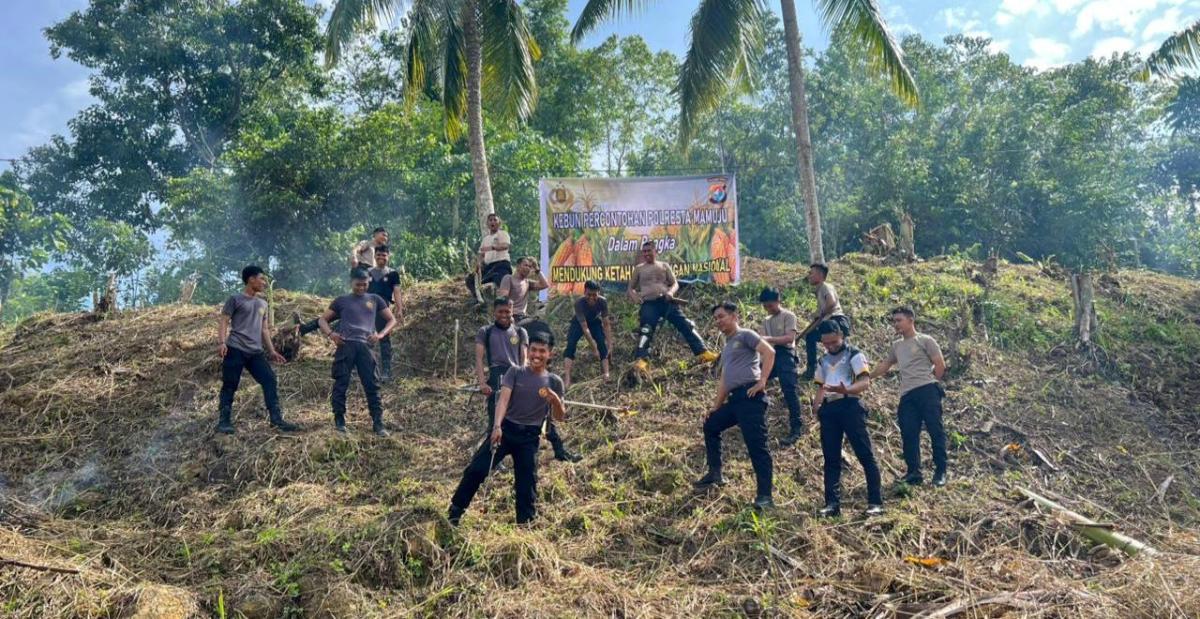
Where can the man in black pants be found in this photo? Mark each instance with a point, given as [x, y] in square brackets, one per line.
[828, 308]
[779, 330]
[528, 395]
[494, 259]
[591, 320]
[355, 339]
[653, 285]
[385, 282]
[921, 365]
[245, 337]
[842, 375]
[500, 347]
[741, 400]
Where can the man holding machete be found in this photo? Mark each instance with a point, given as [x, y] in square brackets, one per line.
[779, 330]
[529, 395]
[828, 308]
[500, 347]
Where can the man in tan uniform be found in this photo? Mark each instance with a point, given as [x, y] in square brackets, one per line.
[653, 286]
[779, 330]
[921, 365]
[828, 308]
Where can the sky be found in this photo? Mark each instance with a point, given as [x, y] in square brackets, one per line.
[38, 94]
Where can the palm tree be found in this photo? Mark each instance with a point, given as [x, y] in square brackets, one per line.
[455, 48]
[727, 37]
[1179, 53]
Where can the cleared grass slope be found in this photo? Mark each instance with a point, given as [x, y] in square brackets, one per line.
[110, 472]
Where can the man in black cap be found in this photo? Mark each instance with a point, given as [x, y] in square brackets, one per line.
[745, 364]
[245, 336]
[779, 330]
[500, 347]
[842, 375]
[355, 338]
[529, 396]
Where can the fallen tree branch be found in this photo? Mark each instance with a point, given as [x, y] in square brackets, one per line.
[1091, 529]
[40, 568]
[1020, 599]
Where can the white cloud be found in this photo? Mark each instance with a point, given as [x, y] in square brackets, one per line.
[1112, 45]
[1047, 53]
[1123, 15]
[957, 19]
[1063, 6]
[1164, 26]
[1000, 46]
[897, 20]
[1002, 18]
[1021, 7]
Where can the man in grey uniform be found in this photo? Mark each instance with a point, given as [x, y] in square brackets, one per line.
[529, 397]
[245, 333]
[355, 338]
[745, 364]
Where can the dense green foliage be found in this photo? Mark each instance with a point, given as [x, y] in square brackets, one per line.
[233, 143]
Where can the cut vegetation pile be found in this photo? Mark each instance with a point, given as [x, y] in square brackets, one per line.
[117, 500]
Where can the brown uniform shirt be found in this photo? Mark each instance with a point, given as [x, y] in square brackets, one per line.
[653, 280]
[780, 324]
[827, 301]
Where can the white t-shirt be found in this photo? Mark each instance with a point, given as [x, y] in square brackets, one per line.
[491, 256]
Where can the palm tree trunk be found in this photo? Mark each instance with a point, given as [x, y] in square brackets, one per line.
[804, 156]
[479, 167]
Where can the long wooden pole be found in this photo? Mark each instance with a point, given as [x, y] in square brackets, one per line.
[1092, 529]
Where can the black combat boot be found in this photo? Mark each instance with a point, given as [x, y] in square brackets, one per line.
[225, 422]
[280, 424]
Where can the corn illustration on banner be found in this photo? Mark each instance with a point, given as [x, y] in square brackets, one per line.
[593, 228]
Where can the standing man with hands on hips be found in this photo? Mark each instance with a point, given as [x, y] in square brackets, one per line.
[355, 339]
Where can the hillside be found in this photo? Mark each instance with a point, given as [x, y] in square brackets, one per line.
[110, 472]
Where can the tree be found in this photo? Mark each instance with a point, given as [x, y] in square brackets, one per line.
[175, 81]
[26, 237]
[726, 38]
[457, 49]
[1089, 209]
[1178, 54]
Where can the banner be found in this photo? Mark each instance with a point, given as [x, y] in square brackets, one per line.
[593, 228]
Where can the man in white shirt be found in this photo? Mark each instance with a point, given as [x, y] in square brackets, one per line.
[494, 260]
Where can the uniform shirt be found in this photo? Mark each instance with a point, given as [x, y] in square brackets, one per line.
[518, 292]
[827, 301]
[914, 358]
[493, 255]
[525, 406]
[780, 324]
[364, 252]
[356, 315]
[840, 369]
[587, 312]
[740, 361]
[653, 280]
[383, 283]
[503, 345]
[246, 315]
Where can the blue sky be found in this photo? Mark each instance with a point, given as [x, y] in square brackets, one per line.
[39, 95]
